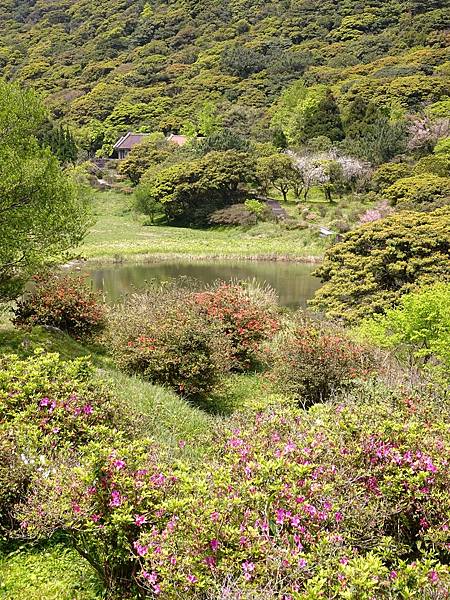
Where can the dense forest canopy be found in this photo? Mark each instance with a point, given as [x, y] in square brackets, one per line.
[106, 67]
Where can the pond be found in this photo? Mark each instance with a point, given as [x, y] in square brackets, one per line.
[293, 282]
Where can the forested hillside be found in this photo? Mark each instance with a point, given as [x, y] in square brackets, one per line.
[106, 67]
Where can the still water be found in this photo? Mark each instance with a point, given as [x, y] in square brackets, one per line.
[293, 282]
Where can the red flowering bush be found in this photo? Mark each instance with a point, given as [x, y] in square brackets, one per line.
[342, 501]
[164, 336]
[312, 364]
[246, 317]
[63, 301]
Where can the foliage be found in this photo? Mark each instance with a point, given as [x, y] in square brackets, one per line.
[377, 263]
[419, 325]
[277, 171]
[346, 499]
[313, 364]
[43, 214]
[387, 174]
[190, 191]
[164, 336]
[420, 191]
[64, 301]
[246, 319]
[48, 407]
[438, 164]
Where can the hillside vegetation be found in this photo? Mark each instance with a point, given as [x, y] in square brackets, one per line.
[112, 66]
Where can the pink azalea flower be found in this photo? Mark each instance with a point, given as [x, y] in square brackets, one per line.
[88, 410]
[338, 517]
[140, 549]
[192, 579]
[140, 520]
[302, 562]
[119, 464]
[215, 516]
[214, 545]
[393, 575]
[150, 577]
[248, 568]
[433, 576]
[116, 499]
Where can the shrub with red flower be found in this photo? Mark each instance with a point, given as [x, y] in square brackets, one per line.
[247, 320]
[312, 364]
[63, 301]
[164, 336]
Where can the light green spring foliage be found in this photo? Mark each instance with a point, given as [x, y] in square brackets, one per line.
[419, 326]
[42, 212]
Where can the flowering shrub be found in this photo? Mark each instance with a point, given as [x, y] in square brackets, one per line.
[48, 407]
[313, 364]
[164, 336]
[246, 319]
[62, 301]
[344, 501]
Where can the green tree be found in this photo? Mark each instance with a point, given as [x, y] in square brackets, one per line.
[418, 327]
[42, 213]
[277, 171]
[375, 264]
[387, 174]
[324, 120]
[190, 191]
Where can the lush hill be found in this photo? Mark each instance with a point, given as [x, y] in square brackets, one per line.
[111, 66]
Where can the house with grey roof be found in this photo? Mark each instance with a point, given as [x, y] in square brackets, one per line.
[123, 146]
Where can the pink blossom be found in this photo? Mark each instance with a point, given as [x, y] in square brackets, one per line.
[140, 549]
[302, 562]
[88, 410]
[119, 464]
[393, 574]
[116, 499]
[192, 579]
[150, 577]
[215, 516]
[214, 545]
[433, 576]
[182, 443]
[140, 520]
[338, 517]
[44, 402]
[248, 568]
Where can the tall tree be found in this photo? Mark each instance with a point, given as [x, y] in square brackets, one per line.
[42, 212]
[324, 120]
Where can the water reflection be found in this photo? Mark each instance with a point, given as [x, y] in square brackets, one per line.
[292, 281]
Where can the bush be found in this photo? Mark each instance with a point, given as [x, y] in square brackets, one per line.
[421, 191]
[438, 165]
[62, 301]
[236, 214]
[387, 174]
[345, 500]
[312, 365]
[419, 326]
[48, 407]
[164, 336]
[377, 263]
[246, 319]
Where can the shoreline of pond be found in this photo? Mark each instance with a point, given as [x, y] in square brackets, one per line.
[164, 258]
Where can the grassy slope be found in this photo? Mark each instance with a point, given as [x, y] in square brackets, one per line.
[118, 232]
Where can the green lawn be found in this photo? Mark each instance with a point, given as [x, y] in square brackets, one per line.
[119, 232]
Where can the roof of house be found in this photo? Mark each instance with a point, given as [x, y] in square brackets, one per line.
[129, 140]
[180, 140]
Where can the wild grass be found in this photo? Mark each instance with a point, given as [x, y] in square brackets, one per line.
[51, 572]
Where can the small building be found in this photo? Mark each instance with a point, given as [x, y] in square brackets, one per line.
[123, 146]
[179, 140]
